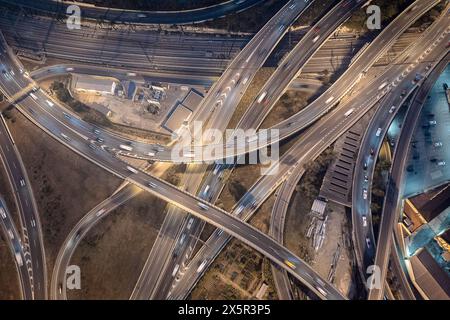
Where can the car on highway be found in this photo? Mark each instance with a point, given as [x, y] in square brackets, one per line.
[432, 122]
[365, 194]
[202, 206]
[364, 220]
[152, 185]
[189, 224]
[315, 39]
[392, 109]
[441, 163]
[372, 152]
[65, 137]
[365, 166]
[378, 133]
[2, 213]
[438, 144]
[22, 182]
[290, 264]
[323, 292]
[51, 104]
[182, 238]
[368, 243]
[366, 178]
[205, 192]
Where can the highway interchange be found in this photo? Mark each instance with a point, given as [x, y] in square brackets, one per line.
[329, 124]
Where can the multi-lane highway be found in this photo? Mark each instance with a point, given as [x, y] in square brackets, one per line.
[174, 246]
[39, 108]
[29, 216]
[306, 149]
[36, 111]
[280, 79]
[394, 190]
[99, 13]
[19, 255]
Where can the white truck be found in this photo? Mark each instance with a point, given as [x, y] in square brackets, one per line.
[125, 147]
[349, 112]
[131, 169]
[261, 97]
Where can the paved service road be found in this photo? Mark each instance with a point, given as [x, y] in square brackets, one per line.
[138, 16]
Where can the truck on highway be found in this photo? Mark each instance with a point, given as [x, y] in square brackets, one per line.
[100, 212]
[261, 97]
[175, 270]
[329, 100]
[384, 84]
[131, 169]
[202, 266]
[205, 192]
[19, 259]
[349, 112]
[33, 95]
[152, 185]
[125, 147]
[2, 213]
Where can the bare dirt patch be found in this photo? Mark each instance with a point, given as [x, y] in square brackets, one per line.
[112, 255]
[9, 279]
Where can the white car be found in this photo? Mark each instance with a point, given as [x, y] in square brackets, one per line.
[365, 194]
[441, 163]
[2, 213]
[364, 219]
[368, 243]
[392, 109]
[438, 144]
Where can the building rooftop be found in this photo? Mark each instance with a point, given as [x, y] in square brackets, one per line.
[176, 117]
[94, 84]
[433, 202]
[429, 276]
[192, 100]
